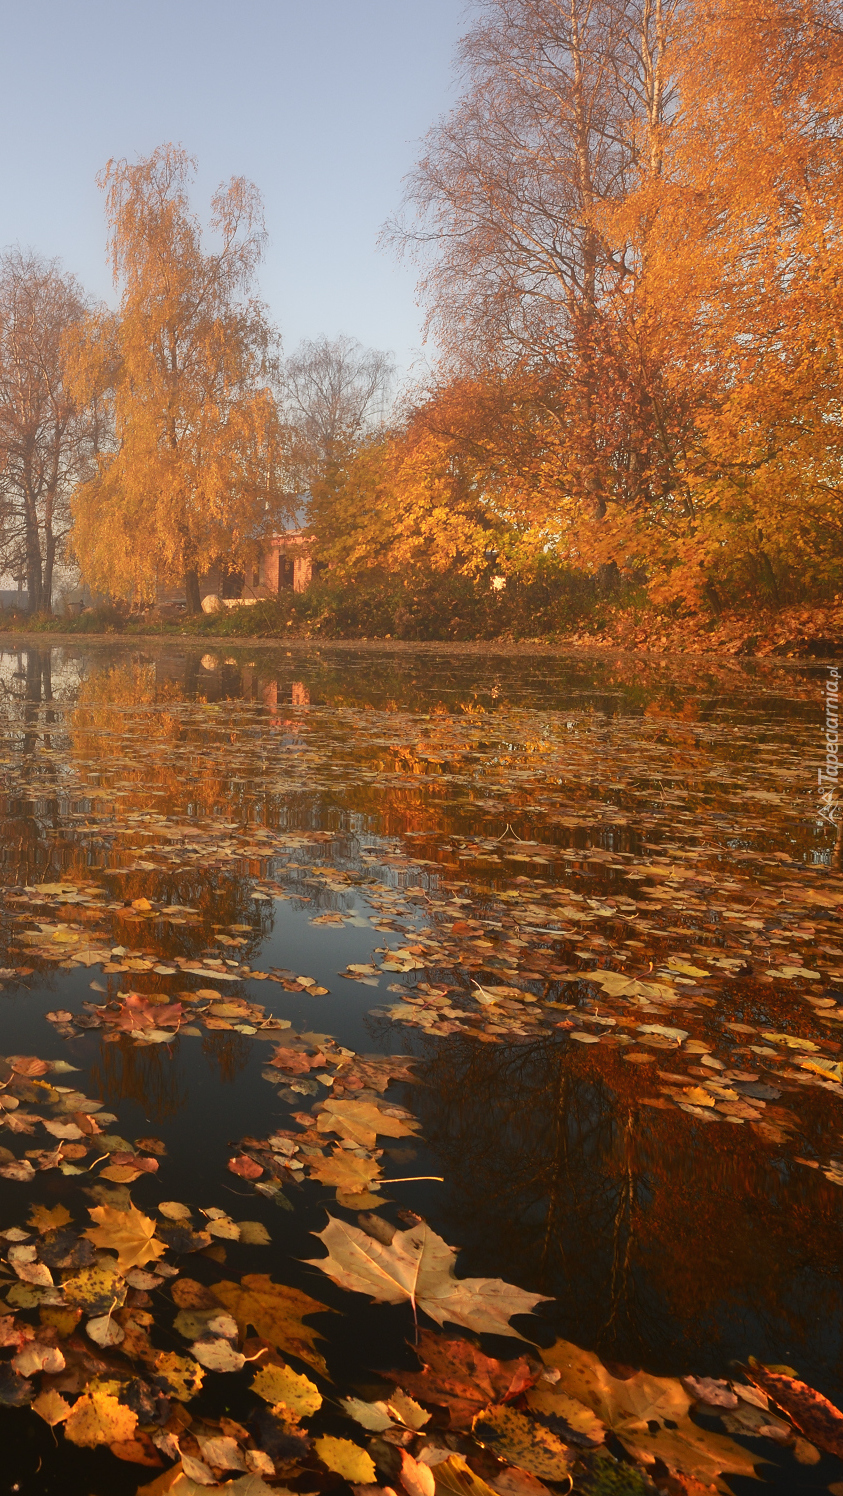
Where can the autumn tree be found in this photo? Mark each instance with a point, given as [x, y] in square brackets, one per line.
[563, 107]
[193, 473]
[335, 395]
[47, 437]
[736, 248]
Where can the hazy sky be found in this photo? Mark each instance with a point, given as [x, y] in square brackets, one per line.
[320, 102]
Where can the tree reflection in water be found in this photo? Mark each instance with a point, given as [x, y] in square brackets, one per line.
[148, 1074]
[664, 1241]
[228, 1053]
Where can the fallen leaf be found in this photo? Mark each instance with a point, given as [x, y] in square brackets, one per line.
[371, 1415]
[97, 1289]
[454, 1477]
[222, 1452]
[51, 1406]
[98, 1418]
[128, 1232]
[254, 1233]
[280, 1384]
[520, 1440]
[276, 1313]
[582, 1426]
[36, 1357]
[344, 1171]
[819, 1420]
[245, 1167]
[346, 1459]
[417, 1479]
[44, 1219]
[459, 1376]
[218, 1355]
[362, 1121]
[105, 1331]
[182, 1374]
[174, 1210]
[417, 1267]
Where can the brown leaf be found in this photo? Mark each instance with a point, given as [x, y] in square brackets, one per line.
[458, 1376]
[819, 1420]
[245, 1167]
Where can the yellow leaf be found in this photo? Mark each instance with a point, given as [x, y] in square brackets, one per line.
[97, 1289]
[51, 1406]
[362, 1121]
[127, 1232]
[346, 1459]
[279, 1384]
[454, 1477]
[345, 1172]
[98, 1418]
[514, 1437]
[183, 1375]
[275, 1312]
[49, 1220]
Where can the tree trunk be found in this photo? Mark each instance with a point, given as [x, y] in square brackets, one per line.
[191, 589]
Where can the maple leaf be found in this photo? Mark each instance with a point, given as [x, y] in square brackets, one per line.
[630, 1407]
[345, 1172]
[458, 1375]
[417, 1267]
[44, 1219]
[362, 1121]
[276, 1313]
[128, 1232]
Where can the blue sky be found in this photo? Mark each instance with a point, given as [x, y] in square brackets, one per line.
[320, 102]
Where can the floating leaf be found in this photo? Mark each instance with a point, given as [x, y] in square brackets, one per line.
[44, 1219]
[254, 1233]
[459, 1376]
[371, 1415]
[97, 1289]
[128, 1232]
[417, 1267]
[182, 1375]
[346, 1459]
[51, 1406]
[279, 1384]
[98, 1418]
[520, 1440]
[454, 1477]
[362, 1121]
[218, 1355]
[276, 1313]
[245, 1167]
[819, 1420]
[105, 1331]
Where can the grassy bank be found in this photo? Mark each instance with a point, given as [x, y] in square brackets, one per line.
[457, 614]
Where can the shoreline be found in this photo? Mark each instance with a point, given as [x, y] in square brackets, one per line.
[666, 648]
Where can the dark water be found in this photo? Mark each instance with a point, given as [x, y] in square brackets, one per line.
[663, 1243]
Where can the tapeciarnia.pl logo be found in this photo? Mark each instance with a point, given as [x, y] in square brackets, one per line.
[828, 776]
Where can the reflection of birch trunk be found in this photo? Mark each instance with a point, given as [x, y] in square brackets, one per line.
[837, 854]
[553, 1237]
[622, 1235]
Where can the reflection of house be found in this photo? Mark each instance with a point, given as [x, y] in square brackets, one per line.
[284, 563]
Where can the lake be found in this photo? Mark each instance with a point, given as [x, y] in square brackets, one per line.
[572, 918]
